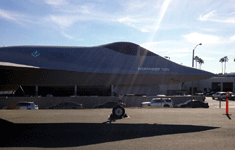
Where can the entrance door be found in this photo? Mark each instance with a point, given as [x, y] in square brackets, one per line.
[228, 86]
[216, 86]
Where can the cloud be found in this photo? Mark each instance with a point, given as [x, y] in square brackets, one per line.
[162, 13]
[139, 23]
[56, 2]
[218, 18]
[67, 36]
[208, 39]
[64, 6]
[145, 16]
[232, 39]
[131, 13]
[133, 5]
[207, 16]
[128, 21]
[61, 21]
[17, 17]
[203, 38]
[61, 24]
[150, 44]
[227, 20]
[207, 58]
[168, 48]
[67, 14]
[9, 15]
[177, 55]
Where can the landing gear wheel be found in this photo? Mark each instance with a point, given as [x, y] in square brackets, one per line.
[118, 112]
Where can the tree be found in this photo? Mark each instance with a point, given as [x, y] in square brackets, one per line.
[222, 61]
[225, 60]
[196, 59]
[200, 61]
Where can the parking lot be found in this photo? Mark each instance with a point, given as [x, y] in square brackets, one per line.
[215, 103]
[160, 128]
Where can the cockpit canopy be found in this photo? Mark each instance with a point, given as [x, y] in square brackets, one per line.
[129, 49]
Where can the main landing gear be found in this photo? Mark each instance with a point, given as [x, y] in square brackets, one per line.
[118, 112]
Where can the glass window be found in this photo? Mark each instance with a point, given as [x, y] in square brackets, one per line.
[123, 47]
[129, 49]
[23, 104]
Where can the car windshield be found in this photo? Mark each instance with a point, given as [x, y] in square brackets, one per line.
[156, 99]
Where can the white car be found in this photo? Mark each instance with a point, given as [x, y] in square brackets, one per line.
[219, 95]
[158, 102]
[161, 95]
[27, 105]
[24, 105]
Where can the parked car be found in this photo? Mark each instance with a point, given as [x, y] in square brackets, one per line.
[49, 95]
[193, 104]
[184, 94]
[209, 93]
[161, 95]
[66, 105]
[232, 96]
[219, 95]
[27, 105]
[224, 95]
[22, 105]
[158, 102]
[110, 105]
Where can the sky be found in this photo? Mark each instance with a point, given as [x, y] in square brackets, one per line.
[170, 28]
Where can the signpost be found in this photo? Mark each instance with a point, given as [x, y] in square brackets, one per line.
[227, 114]
[219, 103]
[227, 103]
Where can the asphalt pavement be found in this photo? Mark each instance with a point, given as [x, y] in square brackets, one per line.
[153, 128]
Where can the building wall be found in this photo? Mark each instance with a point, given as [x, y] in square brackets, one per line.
[147, 90]
[202, 84]
[154, 90]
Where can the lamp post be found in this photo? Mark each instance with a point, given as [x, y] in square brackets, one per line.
[193, 65]
[193, 53]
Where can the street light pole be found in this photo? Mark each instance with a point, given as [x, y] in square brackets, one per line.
[193, 54]
[193, 65]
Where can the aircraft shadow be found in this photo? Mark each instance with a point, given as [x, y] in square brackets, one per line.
[48, 135]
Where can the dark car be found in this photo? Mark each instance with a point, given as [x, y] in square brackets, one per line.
[232, 96]
[66, 105]
[110, 105]
[210, 93]
[193, 104]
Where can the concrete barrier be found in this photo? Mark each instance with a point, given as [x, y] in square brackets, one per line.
[90, 101]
